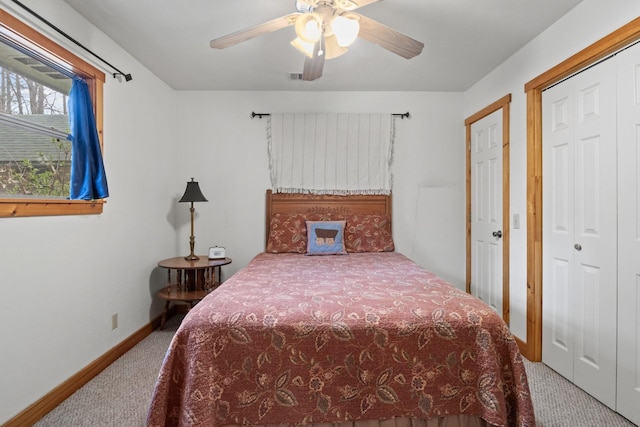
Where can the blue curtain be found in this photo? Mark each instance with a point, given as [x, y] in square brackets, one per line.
[88, 179]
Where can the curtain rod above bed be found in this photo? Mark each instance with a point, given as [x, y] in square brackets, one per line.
[260, 115]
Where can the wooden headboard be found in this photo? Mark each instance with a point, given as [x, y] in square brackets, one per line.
[312, 203]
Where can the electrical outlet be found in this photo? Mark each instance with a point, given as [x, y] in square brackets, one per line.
[114, 321]
[516, 221]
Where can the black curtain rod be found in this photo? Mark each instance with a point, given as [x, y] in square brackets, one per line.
[126, 76]
[260, 115]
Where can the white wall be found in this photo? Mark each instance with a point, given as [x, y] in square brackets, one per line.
[588, 22]
[228, 156]
[61, 278]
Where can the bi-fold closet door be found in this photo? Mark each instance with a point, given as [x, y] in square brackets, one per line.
[628, 396]
[591, 255]
[579, 230]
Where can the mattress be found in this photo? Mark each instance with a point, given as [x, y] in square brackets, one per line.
[358, 338]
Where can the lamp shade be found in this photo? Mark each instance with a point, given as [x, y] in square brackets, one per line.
[346, 30]
[309, 27]
[303, 46]
[331, 47]
[192, 193]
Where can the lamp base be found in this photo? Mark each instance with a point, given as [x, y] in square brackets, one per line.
[192, 257]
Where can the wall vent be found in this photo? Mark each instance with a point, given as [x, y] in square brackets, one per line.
[295, 76]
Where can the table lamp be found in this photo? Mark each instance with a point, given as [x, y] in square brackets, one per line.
[192, 194]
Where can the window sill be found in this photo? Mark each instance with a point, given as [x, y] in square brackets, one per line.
[10, 208]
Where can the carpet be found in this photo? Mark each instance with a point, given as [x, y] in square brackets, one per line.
[119, 396]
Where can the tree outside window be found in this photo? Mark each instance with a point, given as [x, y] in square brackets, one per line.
[32, 163]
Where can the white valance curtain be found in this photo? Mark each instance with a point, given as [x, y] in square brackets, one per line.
[330, 153]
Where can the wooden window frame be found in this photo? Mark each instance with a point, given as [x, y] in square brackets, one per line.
[31, 39]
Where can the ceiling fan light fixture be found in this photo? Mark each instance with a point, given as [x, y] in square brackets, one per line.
[332, 48]
[304, 47]
[309, 27]
[346, 30]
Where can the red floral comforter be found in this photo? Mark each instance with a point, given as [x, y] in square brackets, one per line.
[298, 339]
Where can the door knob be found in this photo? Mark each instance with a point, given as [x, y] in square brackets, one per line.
[578, 246]
[497, 234]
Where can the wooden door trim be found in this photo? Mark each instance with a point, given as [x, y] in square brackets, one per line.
[503, 103]
[599, 50]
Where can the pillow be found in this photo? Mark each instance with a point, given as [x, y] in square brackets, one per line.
[287, 233]
[325, 238]
[369, 233]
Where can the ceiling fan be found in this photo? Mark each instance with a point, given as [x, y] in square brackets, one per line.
[324, 29]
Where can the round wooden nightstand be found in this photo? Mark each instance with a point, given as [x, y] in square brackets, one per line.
[189, 281]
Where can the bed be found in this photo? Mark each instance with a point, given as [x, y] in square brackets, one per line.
[363, 337]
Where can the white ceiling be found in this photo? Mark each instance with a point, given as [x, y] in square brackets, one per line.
[464, 40]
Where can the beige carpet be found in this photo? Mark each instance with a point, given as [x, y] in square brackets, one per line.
[120, 395]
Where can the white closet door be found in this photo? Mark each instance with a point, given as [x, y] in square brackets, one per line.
[629, 234]
[558, 228]
[486, 210]
[580, 241]
[596, 232]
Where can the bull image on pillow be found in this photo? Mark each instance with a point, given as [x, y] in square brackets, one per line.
[326, 236]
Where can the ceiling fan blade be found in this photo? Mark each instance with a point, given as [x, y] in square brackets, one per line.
[256, 30]
[388, 38]
[313, 66]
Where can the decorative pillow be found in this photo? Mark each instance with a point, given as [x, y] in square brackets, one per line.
[369, 233]
[325, 238]
[287, 233]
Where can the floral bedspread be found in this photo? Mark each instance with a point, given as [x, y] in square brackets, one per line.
[299, 339]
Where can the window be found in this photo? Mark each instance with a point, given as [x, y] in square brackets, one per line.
[35, 80]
